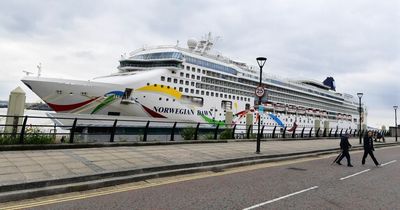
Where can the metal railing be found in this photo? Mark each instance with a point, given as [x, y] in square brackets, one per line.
[66, 129]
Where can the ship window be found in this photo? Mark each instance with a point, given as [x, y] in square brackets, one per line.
[192, 100]
[181, 82]
[198, 77]
[225, 96]
[148, 83]
[212, 93]
[192, 83]
[198, 70]
[155, 85]
[204, 72]
[182, 74]
[226, 105]
[160, 98]
[216, 94]
[59, 91]
[193, 76]
[175, 80]
[188, 68]
[197, 91]
[187, 82]
[167, 99]
[162, 78]
[193, 69]
[207, 93]
[169, 79]
[229, 96]
[186, 90]
[202, 92]
[180, 89]
[83, 93]
[191, 91]
[162, 86]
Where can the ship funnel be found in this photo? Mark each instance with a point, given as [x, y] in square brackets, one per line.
[330, 82]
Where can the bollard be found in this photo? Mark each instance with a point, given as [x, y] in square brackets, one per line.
[196, 132]
[273, 132]
[284, 132]
[248, 131]
[21, 136]
[113, 130]
[146, 129]
[262, 132]
[233, 131]
[216, 132]
[324, 134]
[72, 131]
[310, 135]
[173, 132]
[294, 132]
[330, 132]
[302, 132]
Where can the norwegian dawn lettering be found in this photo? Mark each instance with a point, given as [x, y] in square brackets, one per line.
[169, 110]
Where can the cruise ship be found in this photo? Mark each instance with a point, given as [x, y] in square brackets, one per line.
[192, 83]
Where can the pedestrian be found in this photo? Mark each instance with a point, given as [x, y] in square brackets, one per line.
[345, 147]
[369, 148]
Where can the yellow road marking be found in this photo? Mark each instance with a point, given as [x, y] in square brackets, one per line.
[161, 181]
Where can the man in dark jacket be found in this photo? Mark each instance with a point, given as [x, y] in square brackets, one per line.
[368, 148]
[345, 146]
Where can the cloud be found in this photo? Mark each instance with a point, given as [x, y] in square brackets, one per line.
[356, 42]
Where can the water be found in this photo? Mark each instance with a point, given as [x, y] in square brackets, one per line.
[31, 121]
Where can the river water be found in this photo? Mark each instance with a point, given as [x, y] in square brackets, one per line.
[31, 121]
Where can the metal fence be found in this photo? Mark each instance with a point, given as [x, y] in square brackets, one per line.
[109, 129]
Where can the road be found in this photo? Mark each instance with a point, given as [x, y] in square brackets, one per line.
[303, 184]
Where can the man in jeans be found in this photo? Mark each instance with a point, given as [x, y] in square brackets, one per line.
[369, 148]
[345, 146]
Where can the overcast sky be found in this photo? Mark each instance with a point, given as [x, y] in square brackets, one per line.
[357, 42]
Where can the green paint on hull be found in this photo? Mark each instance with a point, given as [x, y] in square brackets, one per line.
[103, 104]
[212, 121]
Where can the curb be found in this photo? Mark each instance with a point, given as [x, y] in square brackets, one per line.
[16, 147]
[35, 189]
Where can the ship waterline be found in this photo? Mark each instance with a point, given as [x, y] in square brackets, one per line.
[193, 84]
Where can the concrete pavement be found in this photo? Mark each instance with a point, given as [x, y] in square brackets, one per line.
[28, 167]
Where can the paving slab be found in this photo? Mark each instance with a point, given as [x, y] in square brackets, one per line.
[36, 165]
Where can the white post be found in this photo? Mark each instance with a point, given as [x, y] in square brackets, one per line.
[16, 106]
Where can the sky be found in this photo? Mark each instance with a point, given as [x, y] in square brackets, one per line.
[356, 42]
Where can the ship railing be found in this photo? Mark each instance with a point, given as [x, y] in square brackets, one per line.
[52, 130]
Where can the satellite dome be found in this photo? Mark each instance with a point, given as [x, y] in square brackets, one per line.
[192, 43]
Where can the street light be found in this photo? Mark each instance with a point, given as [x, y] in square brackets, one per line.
[395, 120]
[260, 93]
[360, 95]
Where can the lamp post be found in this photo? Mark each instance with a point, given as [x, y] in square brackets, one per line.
[360, 95]
[260, 93]
[395, 120]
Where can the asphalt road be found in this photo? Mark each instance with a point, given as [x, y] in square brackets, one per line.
[314, 184]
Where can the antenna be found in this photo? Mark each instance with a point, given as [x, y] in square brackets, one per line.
[39, 69]
[27, 72]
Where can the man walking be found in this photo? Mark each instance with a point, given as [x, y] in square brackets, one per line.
[368, 148]
[345, 146]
